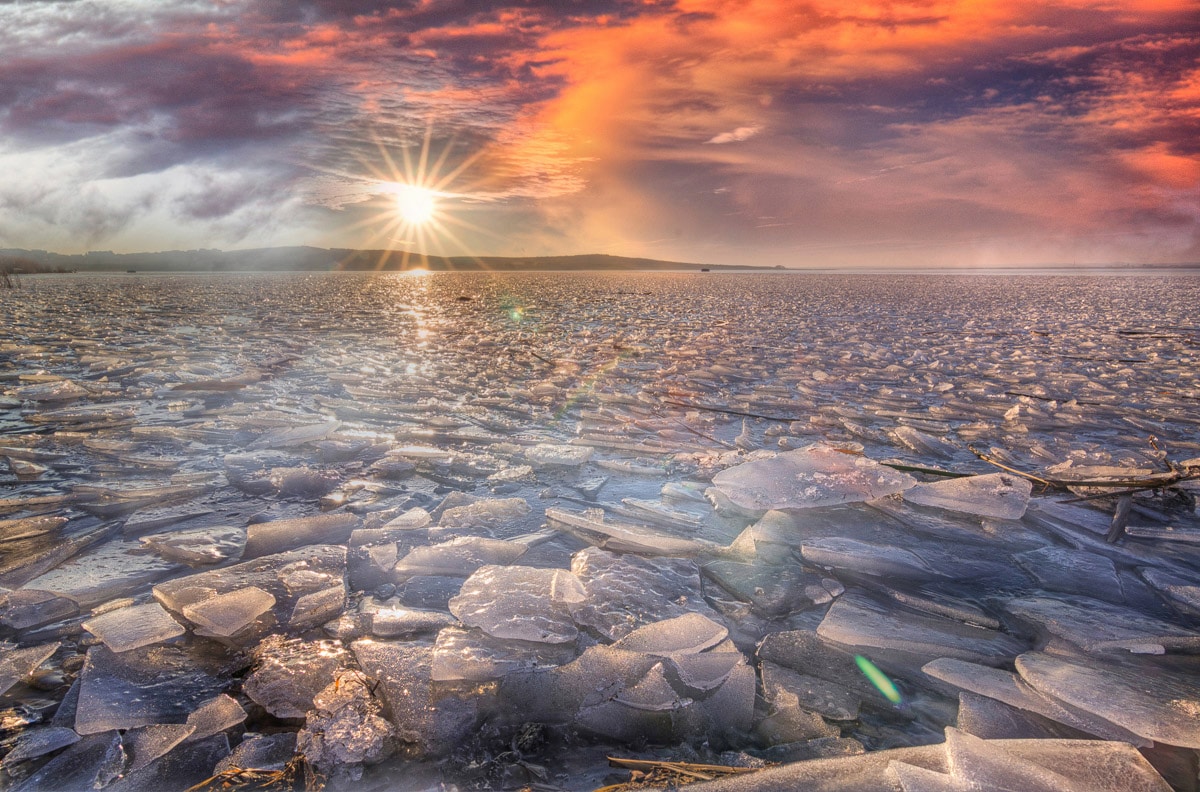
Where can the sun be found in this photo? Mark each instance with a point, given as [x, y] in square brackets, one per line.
[416, 201]
[415, 205]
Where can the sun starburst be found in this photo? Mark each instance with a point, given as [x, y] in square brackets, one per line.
[416, 205]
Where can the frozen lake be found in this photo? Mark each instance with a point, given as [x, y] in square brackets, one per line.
[484, 530]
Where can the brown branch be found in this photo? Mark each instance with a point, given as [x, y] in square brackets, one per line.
[1014, 471]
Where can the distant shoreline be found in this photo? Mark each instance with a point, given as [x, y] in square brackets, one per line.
[311, 259]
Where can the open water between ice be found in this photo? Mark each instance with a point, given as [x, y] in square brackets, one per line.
[481, 531]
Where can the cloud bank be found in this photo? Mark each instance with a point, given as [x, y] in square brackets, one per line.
[728, 131]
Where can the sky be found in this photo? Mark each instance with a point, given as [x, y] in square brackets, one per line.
[830, 133]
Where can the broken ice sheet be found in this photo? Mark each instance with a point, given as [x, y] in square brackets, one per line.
[857, 621]
[90, 763]
[821, 696]
[129, 628]
[690, 633]
[998, 495]
[295, 435]
[808, 478]
[524, 603]
[1182, 593]
[973, 762]
[1147, 699]
[1073, 572]
[550, 455]
[392, 621]
[625, 592]
[773, 590]
[867, 558]
[288, 673]
[489, 513]
[215, 716]
[199, 546]
[1096, 626]
[25, 608]
[147, 743]
[460, 556]
[285, 576]
[153, 684]
[475, 656]
[1007, 687]
[114, 570]
[592, 526]
[432, 720]
[39, 741]
[261, 752]
[224, 615]
[318, 607]
[411, 520]
[17, 664]
[278, 536]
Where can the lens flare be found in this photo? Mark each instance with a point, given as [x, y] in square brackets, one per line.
[878, 679]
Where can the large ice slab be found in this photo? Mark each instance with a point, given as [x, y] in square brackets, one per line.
[489, 513]
[286, 576]
[147, 743]
[199, 546]
[522, 603]
[279, 536]
[1183, 593]
[592, 526]
[16, 664]
[460, 556]
[39, 741]
[1145, 698]
[962, 763]
[288, 673]
[808, 478]
[773, 590]
[25, 608]
[394, 622]
[624, 592]
[215, 716]
[1073, 572]
[91, 763]
[1007, 687]
[129, 628]
[986, 764]
[867, 558]
[806, 653]
[690, 633]
[1002, 496]
[855, 620]
[1096, 626]
[810, 692]
[475, 656]
[111, 571]
[224, 615]
[551, 455]
[432, 721]
[140, 687]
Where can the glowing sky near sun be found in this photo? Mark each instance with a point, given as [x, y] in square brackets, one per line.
[747, 132]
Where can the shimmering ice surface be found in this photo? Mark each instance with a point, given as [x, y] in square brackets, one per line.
[480, 531]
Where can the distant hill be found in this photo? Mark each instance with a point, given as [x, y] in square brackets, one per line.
[312, 259]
